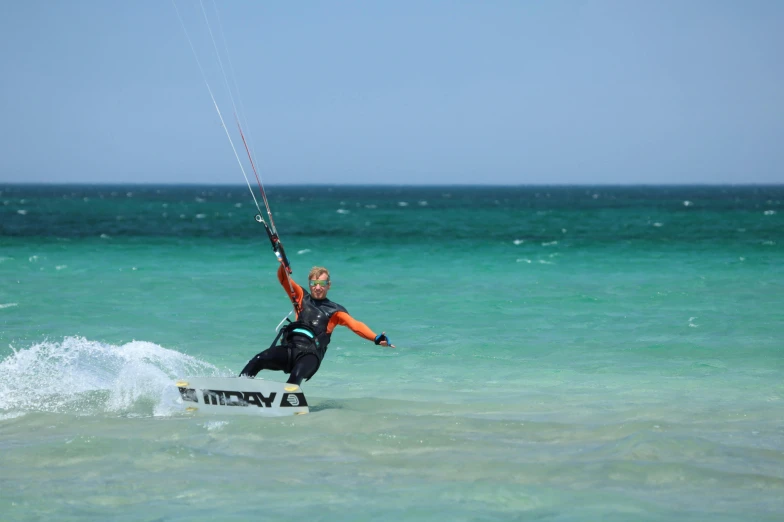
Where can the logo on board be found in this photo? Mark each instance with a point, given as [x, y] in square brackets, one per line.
[245, 399]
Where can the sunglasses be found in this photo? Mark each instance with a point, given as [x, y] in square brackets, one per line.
[318, 282]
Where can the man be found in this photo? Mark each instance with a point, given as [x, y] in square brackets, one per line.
[303, 343]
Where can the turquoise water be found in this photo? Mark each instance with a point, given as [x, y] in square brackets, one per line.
[563, 353]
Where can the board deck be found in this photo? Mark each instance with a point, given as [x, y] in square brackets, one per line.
[241, 396]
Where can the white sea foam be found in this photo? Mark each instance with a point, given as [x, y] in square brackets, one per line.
[8, 305]
[88, 378]
[215, 425]
[343, 211]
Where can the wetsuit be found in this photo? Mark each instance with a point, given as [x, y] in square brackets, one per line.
[300, 347]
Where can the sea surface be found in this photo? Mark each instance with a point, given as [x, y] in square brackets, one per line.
[562, 354]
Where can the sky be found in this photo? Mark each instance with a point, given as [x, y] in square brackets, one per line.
[393, 92]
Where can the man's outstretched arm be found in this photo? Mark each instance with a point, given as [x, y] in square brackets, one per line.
[358, 327]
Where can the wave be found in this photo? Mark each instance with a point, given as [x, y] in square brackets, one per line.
[83, 377]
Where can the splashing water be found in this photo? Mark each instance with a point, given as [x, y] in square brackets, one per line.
[92, 378]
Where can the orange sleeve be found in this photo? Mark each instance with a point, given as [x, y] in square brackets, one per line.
[358, 327]
[298, 292]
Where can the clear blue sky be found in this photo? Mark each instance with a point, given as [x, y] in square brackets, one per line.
[502, 92]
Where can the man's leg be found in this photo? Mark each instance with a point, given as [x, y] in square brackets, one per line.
[275, 358]
[304, 368]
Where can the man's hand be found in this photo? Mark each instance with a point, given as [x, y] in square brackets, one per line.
[383, 340]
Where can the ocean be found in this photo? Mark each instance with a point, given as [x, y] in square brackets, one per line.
[564, 353]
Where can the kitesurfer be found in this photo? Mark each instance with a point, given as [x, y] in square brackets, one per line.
[300, 346]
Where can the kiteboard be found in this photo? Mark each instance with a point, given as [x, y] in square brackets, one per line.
[241, 396]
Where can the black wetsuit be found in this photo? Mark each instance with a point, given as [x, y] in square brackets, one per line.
[300, 346]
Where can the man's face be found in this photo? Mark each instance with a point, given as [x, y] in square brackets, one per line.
[319, 287]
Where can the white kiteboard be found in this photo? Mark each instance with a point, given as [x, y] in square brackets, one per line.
[241, 396]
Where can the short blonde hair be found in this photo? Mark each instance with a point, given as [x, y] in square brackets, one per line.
[317, 271]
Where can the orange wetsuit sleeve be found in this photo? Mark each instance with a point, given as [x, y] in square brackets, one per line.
[358, 327]
[298, 292]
